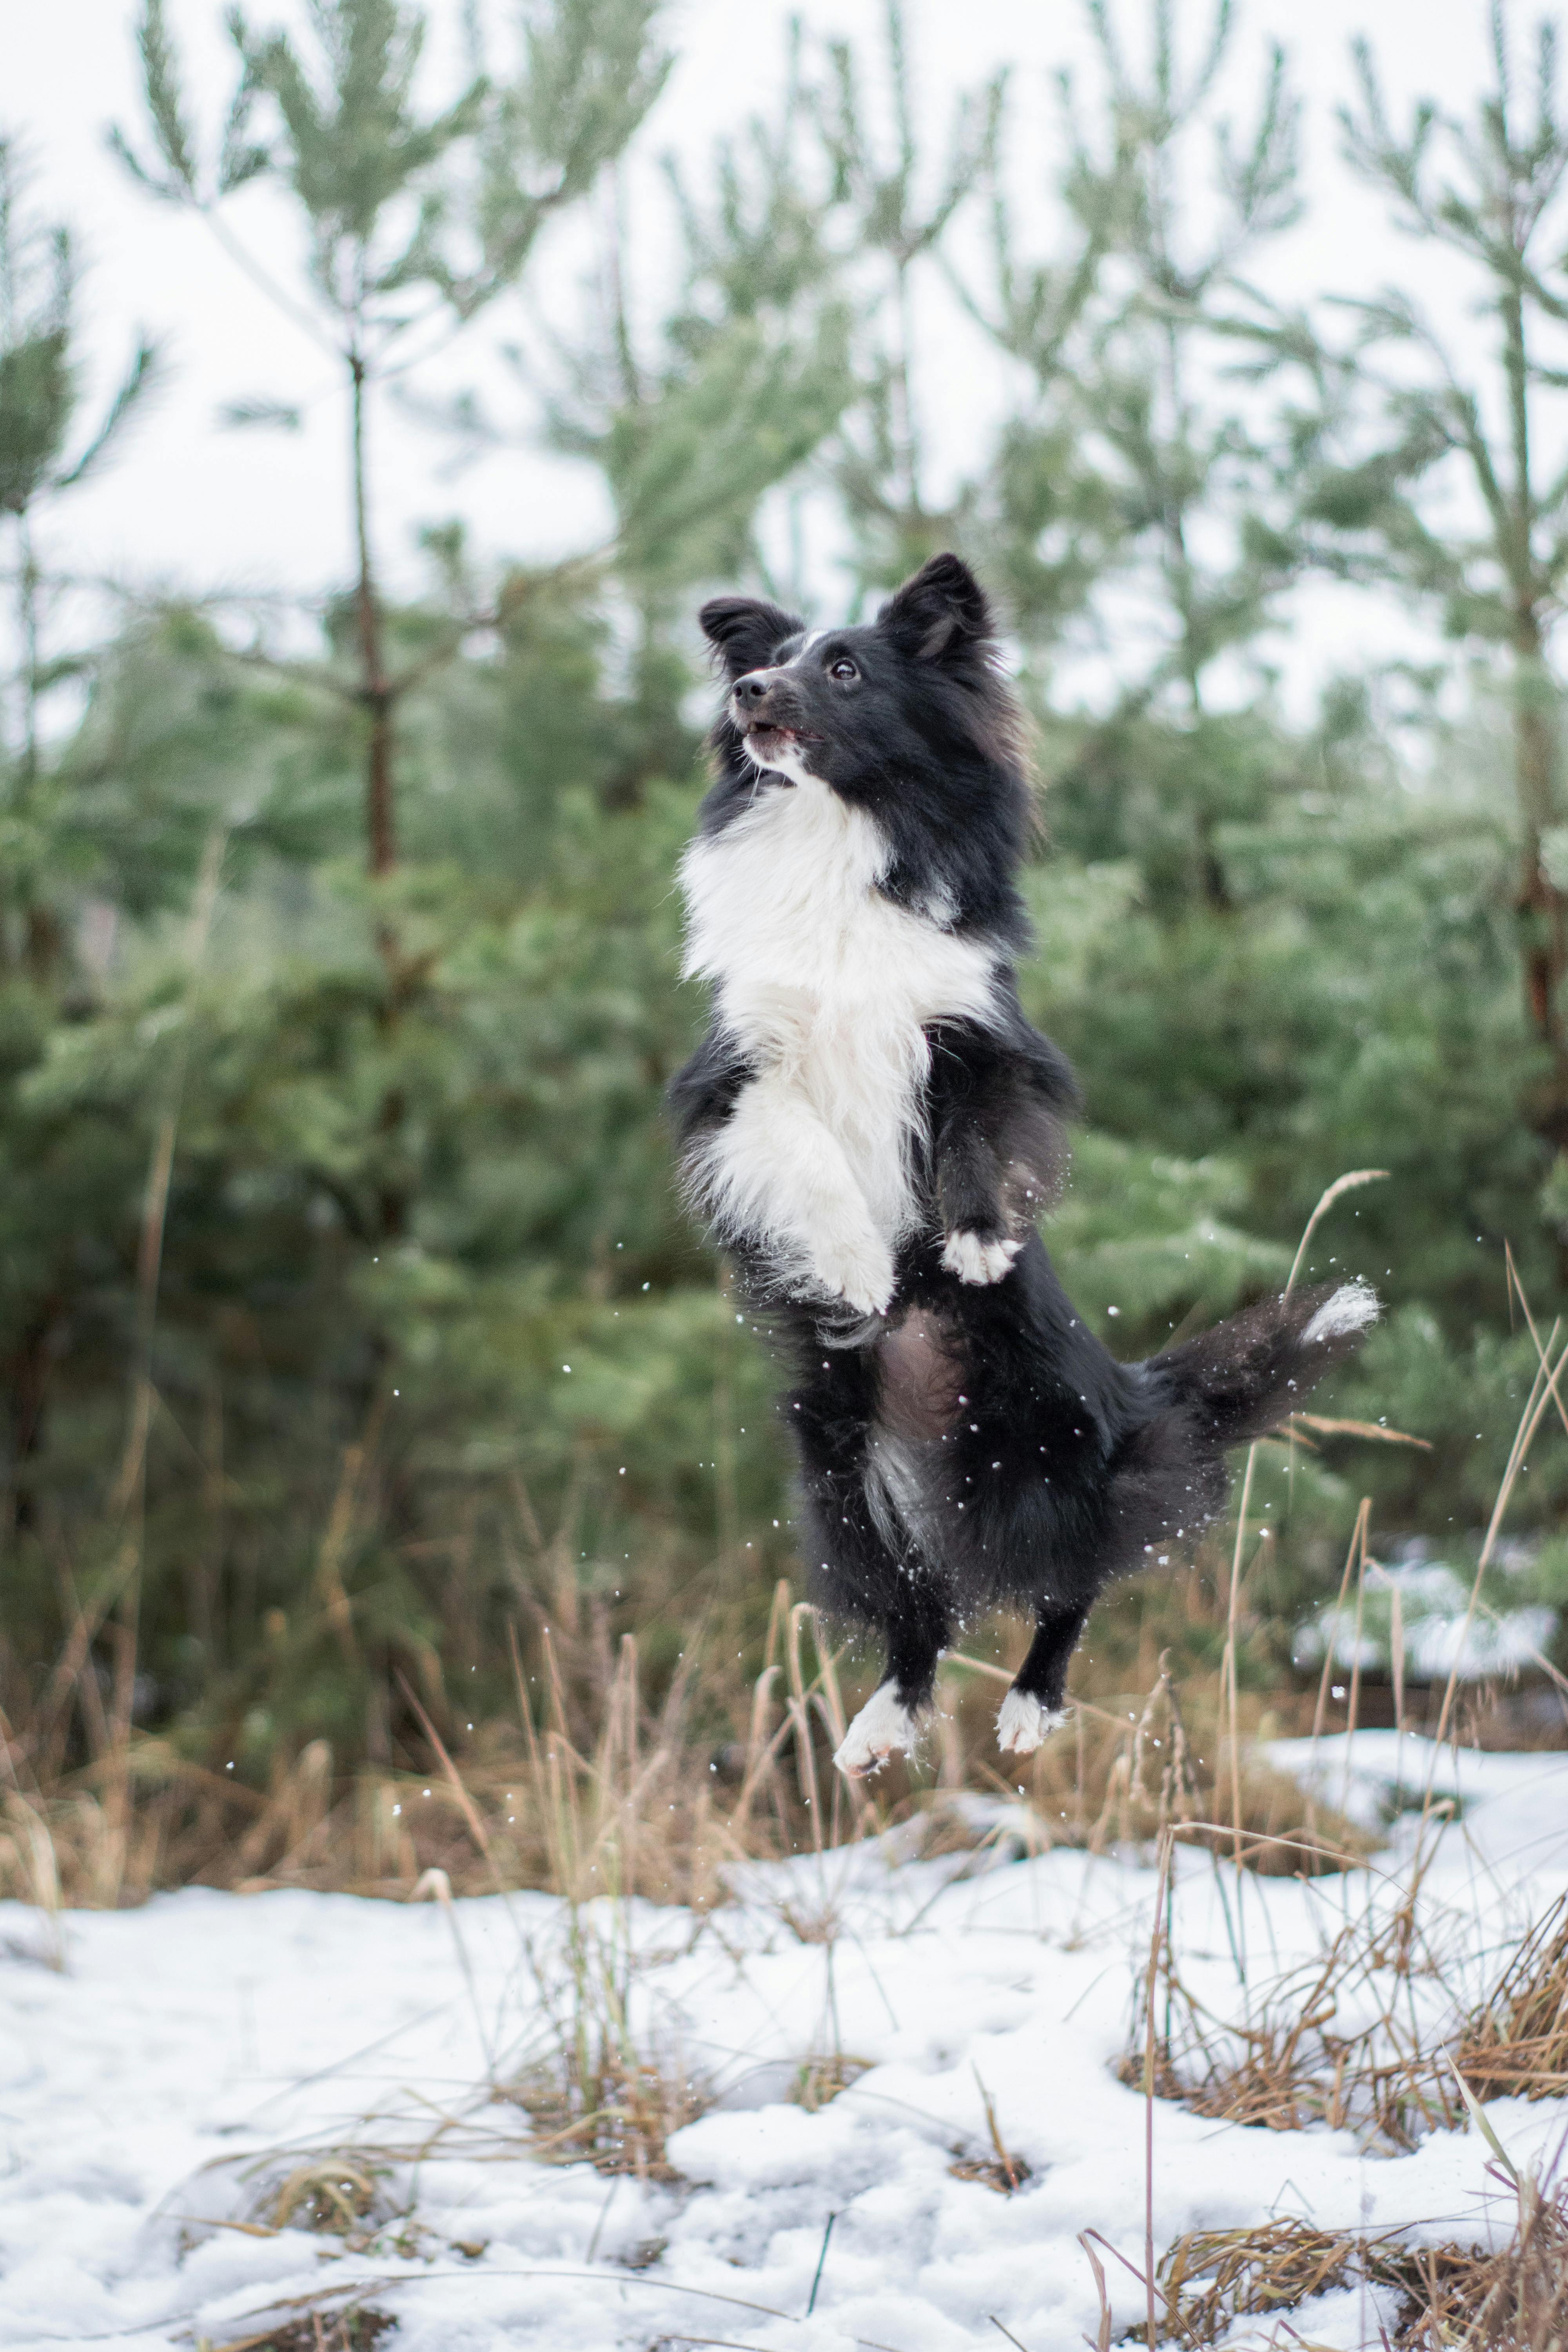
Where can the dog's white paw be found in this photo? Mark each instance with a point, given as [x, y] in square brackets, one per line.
[859, 1271]
[1024, 1721]
[883, 1724]
[973, 1260]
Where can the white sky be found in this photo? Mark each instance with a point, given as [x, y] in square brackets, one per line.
[194, 507]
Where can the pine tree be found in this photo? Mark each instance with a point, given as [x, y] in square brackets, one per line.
[404, 247]
[40, 393]
[693, 425]
[1043, 518]
[1159, 413]
[894, 214]
[48, 848]
[1489, 190]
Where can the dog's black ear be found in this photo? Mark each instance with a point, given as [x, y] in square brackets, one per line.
[744, 632]
[942, 610]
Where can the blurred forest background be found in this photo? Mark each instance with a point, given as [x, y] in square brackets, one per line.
[352, 1334]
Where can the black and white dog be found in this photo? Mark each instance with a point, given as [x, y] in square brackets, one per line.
[872, 1126]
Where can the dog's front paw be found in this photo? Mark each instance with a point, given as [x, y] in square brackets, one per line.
[1024, 1721]
[975, 1260]
[859, 1272]
[883, 1724]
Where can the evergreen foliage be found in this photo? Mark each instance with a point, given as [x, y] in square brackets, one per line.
[346, 1305]
[1488, 190]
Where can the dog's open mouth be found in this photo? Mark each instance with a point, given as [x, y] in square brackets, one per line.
[768, 743]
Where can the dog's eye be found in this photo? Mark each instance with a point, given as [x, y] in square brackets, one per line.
[844, 668]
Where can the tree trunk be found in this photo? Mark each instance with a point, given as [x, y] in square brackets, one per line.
[26, 1385]
[380, 802]
[380, 810]
[1541, 906]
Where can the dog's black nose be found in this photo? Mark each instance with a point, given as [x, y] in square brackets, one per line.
[755, 687]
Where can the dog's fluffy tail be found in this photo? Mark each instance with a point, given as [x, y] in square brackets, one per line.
[1242, 1377]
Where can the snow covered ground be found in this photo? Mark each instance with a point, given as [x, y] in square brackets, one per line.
[210, 2042]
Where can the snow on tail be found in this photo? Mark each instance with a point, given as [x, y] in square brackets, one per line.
[1354, 1306]
[1242, 1377]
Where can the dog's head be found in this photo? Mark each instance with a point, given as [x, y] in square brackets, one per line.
[871, 709]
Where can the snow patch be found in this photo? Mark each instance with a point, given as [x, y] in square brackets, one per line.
[192, 2046]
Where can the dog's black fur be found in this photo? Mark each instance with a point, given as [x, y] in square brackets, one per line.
[1041, 1466]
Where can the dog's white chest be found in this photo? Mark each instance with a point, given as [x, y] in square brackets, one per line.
[822, 981]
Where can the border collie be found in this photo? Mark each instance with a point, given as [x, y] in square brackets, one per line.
[872, 1126]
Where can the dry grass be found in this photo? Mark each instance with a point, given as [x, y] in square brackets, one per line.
[356, 2327]
[587, 1768]
[348, 2193]
[615, 2109]
[1128, 1769]
[1452, 2298]
[1340, 2039]
[1515, 2044]
[1212, 2278]
[604, 2084]
[820, 2079]
[999, 2169]
[341, 2194]
[1470, 2299]
[1336, 2040]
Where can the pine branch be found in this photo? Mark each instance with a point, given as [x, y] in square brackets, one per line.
[141, 380]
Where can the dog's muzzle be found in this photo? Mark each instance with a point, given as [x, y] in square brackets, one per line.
[768, 716]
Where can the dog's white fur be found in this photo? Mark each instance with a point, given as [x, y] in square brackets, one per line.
[973, 1260]
[1024, 1721]
[882, 1725]
[826, 985]
[1352, 1306]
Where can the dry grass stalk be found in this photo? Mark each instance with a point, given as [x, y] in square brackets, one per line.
[602, 2087]
[820, 2079]
[1002, 2170]
[1544, 1392]
[1228, 1687]
[599, 2089]
[27, 1856]
[1159, 1937]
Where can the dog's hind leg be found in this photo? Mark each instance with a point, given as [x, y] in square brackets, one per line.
[890, 1720]
[1037, 1700]
[858, 1493]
